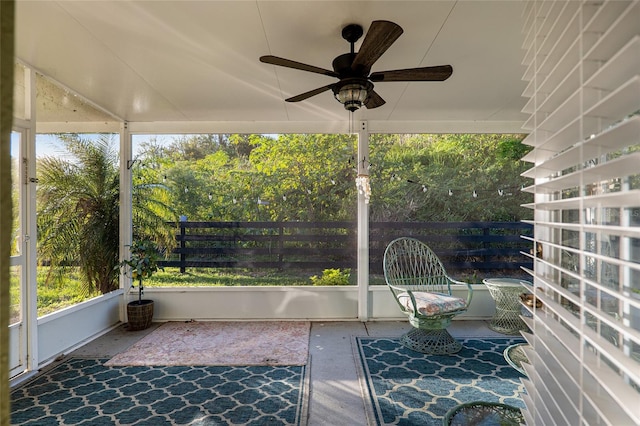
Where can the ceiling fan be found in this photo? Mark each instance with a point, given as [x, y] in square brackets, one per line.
[355, 85]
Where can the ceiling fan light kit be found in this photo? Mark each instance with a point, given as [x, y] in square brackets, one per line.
[355, 88]
[353, 94]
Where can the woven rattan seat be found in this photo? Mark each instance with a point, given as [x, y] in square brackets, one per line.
[422, 288]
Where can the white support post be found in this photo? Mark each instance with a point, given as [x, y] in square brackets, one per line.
[126, 226]
[363, 225]
[31, 229]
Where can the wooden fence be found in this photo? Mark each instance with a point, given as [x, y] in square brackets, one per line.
[468, 246]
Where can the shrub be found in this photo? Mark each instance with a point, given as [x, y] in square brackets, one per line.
[332, 277]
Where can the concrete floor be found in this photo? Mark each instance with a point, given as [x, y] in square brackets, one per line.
[335, 396]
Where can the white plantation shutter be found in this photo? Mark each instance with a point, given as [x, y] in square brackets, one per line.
[582, 63]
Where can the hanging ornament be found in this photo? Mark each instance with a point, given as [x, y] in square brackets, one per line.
[364, 188]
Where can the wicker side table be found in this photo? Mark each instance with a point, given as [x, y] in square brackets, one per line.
[506, 293]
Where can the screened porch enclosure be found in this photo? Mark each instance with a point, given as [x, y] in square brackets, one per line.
[564, 71]
[47, 334]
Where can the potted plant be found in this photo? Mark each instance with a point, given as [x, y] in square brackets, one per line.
[142, 263]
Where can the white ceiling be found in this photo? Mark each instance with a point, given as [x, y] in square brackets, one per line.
[197, 61]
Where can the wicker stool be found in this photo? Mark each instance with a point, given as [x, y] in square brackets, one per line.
[506, 293]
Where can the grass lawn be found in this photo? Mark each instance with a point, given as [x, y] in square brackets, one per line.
[196, 277]
[205, 277]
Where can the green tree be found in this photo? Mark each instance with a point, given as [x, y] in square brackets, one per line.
[258, 177]
[78, 209]
[196, 147]
[311, 177]
[307, 177]
[448, 178]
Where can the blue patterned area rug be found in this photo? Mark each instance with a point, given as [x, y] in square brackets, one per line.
[86, 392]
[403, 387]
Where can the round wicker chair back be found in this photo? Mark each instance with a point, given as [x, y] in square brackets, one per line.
[411, 264]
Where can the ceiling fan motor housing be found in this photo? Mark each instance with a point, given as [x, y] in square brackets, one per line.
[342, 64]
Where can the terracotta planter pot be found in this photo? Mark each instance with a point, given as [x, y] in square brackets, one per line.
[140, 314]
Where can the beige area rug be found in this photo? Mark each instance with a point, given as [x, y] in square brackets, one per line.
[220, 343]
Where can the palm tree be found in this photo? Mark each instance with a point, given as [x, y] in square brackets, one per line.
[78, 210]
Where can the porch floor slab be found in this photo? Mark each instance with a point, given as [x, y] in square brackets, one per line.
[335, 396]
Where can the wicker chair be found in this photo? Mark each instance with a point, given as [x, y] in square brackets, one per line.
[422, 288]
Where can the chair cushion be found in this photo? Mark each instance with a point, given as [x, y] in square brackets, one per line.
[432, 304]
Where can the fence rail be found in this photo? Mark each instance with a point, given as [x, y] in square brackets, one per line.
[462, 246]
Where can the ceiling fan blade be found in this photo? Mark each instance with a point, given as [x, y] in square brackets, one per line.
[306, 95]
[274, 60]
[438, 73]
[381, 35]
[374, 100]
